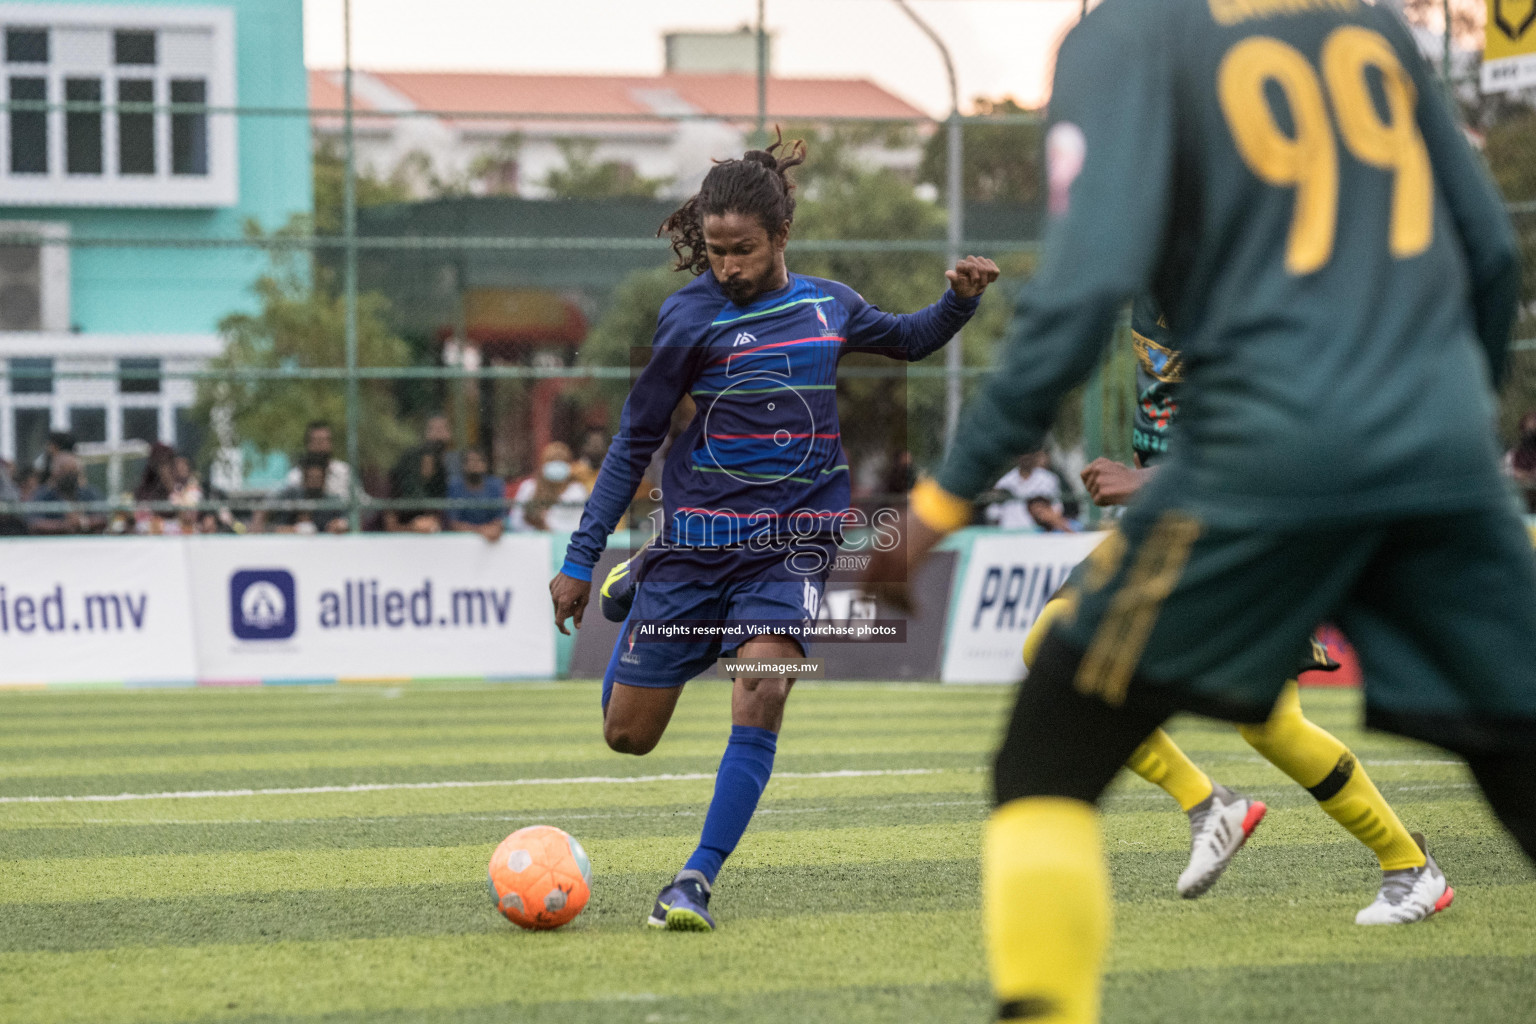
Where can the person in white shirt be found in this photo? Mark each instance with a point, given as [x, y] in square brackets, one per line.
[551, 499]
[1033, 499]
[338, 475]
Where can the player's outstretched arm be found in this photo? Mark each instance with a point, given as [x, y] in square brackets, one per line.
[970, 276]
[570, 597]
[911, 336]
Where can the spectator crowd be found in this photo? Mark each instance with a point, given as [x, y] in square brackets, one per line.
[432, 488]
[435, 488]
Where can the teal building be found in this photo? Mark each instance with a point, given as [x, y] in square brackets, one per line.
[97, 171]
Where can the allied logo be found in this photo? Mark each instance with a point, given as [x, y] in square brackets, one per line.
[744, 339]
[262, 604]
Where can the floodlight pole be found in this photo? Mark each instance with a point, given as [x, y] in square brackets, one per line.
[762, 76]
[954, 354]
[349, 284]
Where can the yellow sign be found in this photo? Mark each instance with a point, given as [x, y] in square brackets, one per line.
[1509, 51]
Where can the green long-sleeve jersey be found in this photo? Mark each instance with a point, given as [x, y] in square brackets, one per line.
[1286, 180]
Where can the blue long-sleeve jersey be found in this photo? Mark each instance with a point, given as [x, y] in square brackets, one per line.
[762, 461]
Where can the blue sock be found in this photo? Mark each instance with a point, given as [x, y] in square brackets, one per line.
[744, 771]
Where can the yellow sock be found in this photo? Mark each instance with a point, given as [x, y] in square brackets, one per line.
[1045, 909]
[1326, 768]
[1361, 809]
[1160, 761]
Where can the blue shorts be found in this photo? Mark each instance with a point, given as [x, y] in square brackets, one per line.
[667, 663]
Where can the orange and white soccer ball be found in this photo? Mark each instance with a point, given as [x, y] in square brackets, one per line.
[540, 877]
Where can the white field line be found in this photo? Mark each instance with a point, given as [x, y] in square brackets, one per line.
[531, 816]
[378, 787]
[1108, 799]
[595, 780]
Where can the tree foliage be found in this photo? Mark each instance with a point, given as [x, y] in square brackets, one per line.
[491, 172]
[416, 176]
[300, 323]
[622, 338]
[1467, 18]
[998, 162]
[1511, 152]
[585, 177]
[330, 170]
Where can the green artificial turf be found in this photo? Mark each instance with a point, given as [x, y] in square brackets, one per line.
[852, 898]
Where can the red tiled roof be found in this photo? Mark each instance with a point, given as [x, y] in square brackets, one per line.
[325, 91]
[717, 94]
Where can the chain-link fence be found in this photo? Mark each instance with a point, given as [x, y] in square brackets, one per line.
[215, 288]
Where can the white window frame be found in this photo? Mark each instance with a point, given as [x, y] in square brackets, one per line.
[219, 187]
[102, 352]
[53, 272]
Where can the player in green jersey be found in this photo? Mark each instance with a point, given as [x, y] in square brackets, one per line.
[1413, 887]
[1285, 178]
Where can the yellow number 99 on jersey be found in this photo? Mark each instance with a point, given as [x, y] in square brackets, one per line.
[540, 878]
[1307, 159]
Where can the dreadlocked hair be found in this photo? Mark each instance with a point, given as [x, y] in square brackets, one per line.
[757, 185]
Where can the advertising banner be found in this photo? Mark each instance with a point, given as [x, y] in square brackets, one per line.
[95, 611]
[302, 609]
[1509, 49]
[1008, 577]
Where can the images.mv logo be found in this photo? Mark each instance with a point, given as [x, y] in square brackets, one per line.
[262, 605]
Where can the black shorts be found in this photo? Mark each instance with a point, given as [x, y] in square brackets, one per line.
[1314, 657]
[1440, 609]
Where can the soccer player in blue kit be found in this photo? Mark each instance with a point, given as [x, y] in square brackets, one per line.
[755, 489]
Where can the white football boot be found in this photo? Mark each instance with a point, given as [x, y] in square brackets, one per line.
[1409, 895]
[1218, 827]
